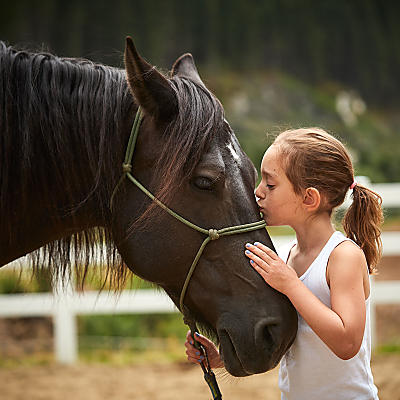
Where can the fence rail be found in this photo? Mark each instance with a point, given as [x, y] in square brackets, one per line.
[64, 305]
[64, 309]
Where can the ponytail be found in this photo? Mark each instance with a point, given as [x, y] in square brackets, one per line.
[362, 223]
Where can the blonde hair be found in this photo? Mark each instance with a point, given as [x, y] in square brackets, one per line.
[313, 158]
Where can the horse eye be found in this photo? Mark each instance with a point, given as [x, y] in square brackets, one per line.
[203, 183]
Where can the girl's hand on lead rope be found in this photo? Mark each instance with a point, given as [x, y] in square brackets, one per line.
[272, 269]
[195, 356]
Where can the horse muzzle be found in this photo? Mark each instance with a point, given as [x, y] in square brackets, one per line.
[257, 349]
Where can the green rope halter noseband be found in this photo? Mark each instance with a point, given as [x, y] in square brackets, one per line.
[212, 234]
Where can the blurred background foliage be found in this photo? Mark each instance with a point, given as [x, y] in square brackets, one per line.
[273, 63]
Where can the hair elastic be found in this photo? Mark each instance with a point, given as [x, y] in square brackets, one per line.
[353, 185]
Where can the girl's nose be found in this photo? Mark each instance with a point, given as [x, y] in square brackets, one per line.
[257, 193]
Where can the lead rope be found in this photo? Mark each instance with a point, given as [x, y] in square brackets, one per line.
[212, 234]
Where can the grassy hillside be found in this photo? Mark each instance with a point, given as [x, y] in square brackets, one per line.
[261, 104]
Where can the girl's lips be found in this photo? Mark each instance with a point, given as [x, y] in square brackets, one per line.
[263, 212]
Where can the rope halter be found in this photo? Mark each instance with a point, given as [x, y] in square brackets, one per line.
[212, 234]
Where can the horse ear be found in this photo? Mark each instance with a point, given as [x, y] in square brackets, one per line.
[185, 67]
[151, 89]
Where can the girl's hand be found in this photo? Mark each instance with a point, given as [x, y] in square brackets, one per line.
[195, 356]
[272, 268]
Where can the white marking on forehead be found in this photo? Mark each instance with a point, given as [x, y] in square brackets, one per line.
[233, 146]
[235, 155]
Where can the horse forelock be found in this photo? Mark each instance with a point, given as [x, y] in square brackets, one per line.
[200, 120]
[198, 125]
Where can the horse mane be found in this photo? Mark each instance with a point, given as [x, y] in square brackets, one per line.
[37, 136]
[38, 94]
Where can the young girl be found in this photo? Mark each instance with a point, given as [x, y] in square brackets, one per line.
[306, 173]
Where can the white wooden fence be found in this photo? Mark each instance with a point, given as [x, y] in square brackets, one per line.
[64, 305]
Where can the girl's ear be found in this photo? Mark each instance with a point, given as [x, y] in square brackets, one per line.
[311, 199]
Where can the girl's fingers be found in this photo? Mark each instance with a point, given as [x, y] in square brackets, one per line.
[189, 337]
[266, 250]
[193, 354]
[197, 356]
[201, 339]
[196, 360]
[256, 259]
[252, 249]
[190, 347]
[207, 343]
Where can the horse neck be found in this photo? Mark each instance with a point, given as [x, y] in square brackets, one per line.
[62, 152]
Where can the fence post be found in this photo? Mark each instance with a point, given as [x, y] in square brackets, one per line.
[64, 322]
[372, 313]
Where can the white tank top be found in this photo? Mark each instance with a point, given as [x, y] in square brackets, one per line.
[310, 370]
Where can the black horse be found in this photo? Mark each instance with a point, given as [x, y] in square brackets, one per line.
[64, 127]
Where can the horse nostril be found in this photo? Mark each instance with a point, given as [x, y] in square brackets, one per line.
[266, 333]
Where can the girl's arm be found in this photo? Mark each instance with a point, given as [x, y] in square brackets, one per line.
[340, 328]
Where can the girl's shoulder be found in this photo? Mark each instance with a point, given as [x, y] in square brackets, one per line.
[348, 251]
[348, 262]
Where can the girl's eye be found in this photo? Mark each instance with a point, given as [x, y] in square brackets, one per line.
[270, 186]
[203, 183]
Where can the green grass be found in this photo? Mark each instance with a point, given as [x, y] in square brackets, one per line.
[166, 351]
[22, 281]
[133, 325]
[26, 360]
[388, 348]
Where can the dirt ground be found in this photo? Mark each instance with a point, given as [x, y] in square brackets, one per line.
[158, 382]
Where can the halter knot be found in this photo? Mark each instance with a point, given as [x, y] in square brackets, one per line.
[213, 233]
[126, 167]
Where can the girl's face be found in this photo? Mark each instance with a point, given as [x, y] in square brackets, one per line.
[277, 200]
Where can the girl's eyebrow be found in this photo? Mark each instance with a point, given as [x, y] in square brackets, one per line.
[268, 174]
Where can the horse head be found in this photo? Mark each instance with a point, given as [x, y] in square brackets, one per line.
[188, 156]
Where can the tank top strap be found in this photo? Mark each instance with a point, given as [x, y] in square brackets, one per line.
[283, 251]
[336, 238]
